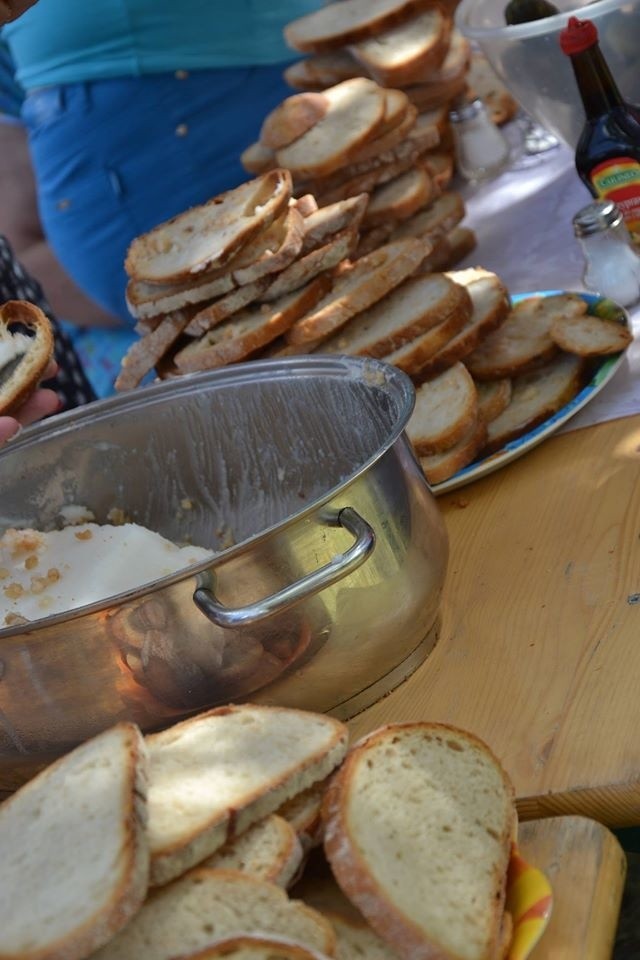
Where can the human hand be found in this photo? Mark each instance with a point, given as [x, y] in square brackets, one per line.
[10, 9]
[40, 404]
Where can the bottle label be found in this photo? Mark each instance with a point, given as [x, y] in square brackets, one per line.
[618, 179]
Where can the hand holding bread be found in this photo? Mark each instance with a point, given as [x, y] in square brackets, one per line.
[26, 358]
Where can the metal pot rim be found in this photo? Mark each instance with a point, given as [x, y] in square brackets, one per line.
[361, 368]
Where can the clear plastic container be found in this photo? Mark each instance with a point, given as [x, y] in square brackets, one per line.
[528, 58]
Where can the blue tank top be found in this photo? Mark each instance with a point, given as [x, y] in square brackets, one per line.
[67, 41]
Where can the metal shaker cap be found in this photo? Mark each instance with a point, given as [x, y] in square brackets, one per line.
[596, 217]
[466, 111]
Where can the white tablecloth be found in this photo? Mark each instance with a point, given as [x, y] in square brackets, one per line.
[523, 223]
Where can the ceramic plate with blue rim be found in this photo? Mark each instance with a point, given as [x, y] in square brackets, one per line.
[597, 306]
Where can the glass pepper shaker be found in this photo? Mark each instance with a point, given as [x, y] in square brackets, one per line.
[612, 265]
[482, 151]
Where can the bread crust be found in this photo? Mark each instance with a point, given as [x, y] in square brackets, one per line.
[24, 380]
[292, 118]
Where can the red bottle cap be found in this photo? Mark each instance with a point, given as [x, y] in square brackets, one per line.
[578, 35]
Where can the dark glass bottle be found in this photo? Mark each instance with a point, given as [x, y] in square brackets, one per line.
[524, 11]
[608, 151]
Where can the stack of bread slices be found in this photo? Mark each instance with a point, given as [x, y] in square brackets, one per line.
[187, 840]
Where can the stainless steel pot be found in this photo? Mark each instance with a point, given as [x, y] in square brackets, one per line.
[330, 551]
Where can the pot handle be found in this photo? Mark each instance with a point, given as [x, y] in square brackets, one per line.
[341, 565]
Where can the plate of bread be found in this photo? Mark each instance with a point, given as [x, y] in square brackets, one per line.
[257, 833]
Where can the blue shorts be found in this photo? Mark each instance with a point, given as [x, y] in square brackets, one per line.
[113, 158]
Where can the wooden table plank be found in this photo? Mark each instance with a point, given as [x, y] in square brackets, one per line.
[539, 652]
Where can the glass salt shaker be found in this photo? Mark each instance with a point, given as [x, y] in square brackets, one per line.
[612, 265]
[482, 151]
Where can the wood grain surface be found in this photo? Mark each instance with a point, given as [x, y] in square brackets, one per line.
[540, 646]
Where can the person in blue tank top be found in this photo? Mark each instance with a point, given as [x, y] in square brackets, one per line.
[137, 110]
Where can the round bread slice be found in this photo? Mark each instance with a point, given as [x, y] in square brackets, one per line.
[433, 96]
[590, 336]
[356, 289]
[225, 307]
[356, 939]
[209, 235]
[74, 850]
[325, 222]
[441, 466]
[255, 947]
[384, 143]
[449, 250]
[445, 410]
[393, 56]
[348, 21]
[256, 158]
[269, 850]
[26, 349]
[317, 262]
[143, 355]
[415, 355]
[439, 218]
[293, 118]
[494, 396]
[318, 73]
[303, 813]
[399, 198]
[419, 822]
[355, 111]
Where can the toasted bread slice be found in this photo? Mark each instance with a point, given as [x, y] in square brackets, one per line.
[484, 83]
[414, 356]
[190, 819]
[323, 224]
[303, 813]
[213, 314]
[249, 330]
[318, 73]
[256, 158]
[207, 906]
[348, 21]
[356, 289]
[144, 354]
[534, 398]
[268, 850]
[399, 198]
[209, 235]
[410, 310]
[378, 174]
[455, 63]
[449, 250]
[388, 145]
[446, 408]
[433, 96]
[292, 118]
[393, 56]
[590, 336]
[376, 237]
[439, 467]
[494, 396]
[491, 306]
[318, 262]
[356, 110]
[525, 337]
[80, 894]
[26, 349]
[255, 947]
[419, 824]
[440, 166]
[436, 220]
[148, 301]
[271, 251]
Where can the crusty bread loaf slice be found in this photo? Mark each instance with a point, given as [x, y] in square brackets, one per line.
[318, 262]
[292, 118]
[207, 906]
[494, 396]
[250, 330]
[209, 235]
[590, 336]
[440, 166]
[318, 73]
[354, 290]
[26, 349]
[268, 850]
[303, 813]
[348, 21]
[429, 96]
[446, 408]
[256, 158]
[438, 219]
[388, 145]
[325, 222]
[455, 63]
[525, 337]
[393, 56]
[215, 313]
[356, 110]
[534, 398]
[449, 250]
[396, 106]
[74, 850]
[413, 356]
[355, 939]
[255, 948]
[415, 306]
[148, 301]
[419, 824]
[438, 467]
[271, 251]
[190, 817]
[399, 198]
[144, 354]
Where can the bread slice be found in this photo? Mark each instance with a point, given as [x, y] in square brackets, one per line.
[26, 349]
[449, 250]
[439, 467]
[419, 824]
[350, 184]
[590, 336]
[249, 330]
[414, 356]
[318, 262]
[440, 166]
[455, 63]
[63, 899]
[190, 817]
[318, 73]
[256, 158]
[356, 110]
[494, 396]
[209, 235]
[325, 222]
[268, 850]
[410, 310]
[445, 409]
[215, 313]
[433, 96]
[484, 83]
[400, 198]
[303, 813]
[438, 219]
[387, 145]
[305, 205]
[355, 939]
[356, 289]
[393, 56]
[292, 118]
[525, 337]
[534, 398]
[148, 301]
[255, 947]
[207, 906]
[348, 21]
[144, 354]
